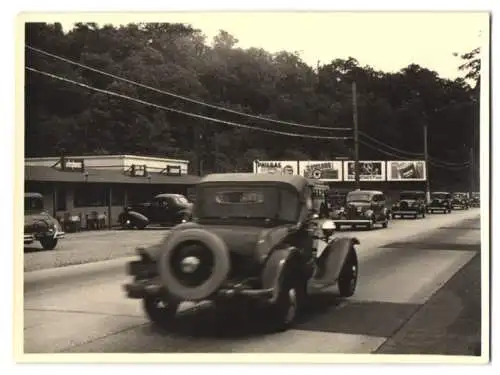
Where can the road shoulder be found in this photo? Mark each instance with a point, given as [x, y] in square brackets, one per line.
[449, 323]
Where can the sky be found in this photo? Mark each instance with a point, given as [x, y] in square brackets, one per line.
[385, 41]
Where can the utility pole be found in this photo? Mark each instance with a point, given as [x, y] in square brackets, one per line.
[356, 141]
[426, 160]
[471, 169]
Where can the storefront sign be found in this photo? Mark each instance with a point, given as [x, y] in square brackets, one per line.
[369, 170]
[275, 167]
[72, 165]
[173, 170]
[138, 170]
[330, 170]
[407, 170]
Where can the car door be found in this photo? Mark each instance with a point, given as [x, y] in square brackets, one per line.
[382, 203]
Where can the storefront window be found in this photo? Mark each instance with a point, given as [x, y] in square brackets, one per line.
[90, 195]
[61, 199]
[118, 196]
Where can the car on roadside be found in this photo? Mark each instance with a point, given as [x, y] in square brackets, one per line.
[39, 225]
[460, 200]
[440, 202]
[475, 200]
[363, 208]
[253, 237]
[163, 209]
[410, 203]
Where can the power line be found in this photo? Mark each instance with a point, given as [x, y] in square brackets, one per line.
[411, 153]
[381, 151]
[390, 147]
[456, 168]
[234, 124]
[177, 95]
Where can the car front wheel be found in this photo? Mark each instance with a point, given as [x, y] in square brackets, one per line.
[48, 243]
[348, 278]
[287, 306]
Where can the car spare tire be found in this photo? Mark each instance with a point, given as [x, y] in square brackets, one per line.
[193, 263]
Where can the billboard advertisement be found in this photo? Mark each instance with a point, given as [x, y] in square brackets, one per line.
[276, 166]
[369, 170]
[398, 170]
[328, 170]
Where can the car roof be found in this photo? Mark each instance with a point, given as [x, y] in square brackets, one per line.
[295, 181]
[33, 195]
[440, 192]
[371, 192]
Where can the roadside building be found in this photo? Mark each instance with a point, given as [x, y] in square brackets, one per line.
[86, 187]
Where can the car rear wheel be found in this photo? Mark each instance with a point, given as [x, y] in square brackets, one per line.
[48, 243]
[289, 302]
[348, 278]
[385, 224]
[159, 311]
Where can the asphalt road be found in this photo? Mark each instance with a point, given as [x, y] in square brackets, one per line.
[82, 309]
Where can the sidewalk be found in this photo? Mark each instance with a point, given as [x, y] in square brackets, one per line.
[449, 323]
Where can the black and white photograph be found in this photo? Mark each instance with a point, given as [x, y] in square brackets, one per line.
[189, 185]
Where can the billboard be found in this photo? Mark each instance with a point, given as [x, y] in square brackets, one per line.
[276, 166]
[369, 170]
[328, 170]
[407, 170]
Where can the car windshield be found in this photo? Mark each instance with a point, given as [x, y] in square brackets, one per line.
[33, 204]
[411, 196]
[440, 195]
[247, 202]
[359, 197]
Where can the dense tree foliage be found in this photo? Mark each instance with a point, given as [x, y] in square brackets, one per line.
[177, 58]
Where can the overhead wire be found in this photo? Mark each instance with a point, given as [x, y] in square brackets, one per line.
[172, 94]
[190, 114]
[84, 66]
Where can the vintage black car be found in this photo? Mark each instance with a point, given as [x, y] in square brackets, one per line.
[460, 201]
[252, 237]
[410, 203]
[165, 209]
[363, 208]
[475, 200]
[38, 224]
[440, 201]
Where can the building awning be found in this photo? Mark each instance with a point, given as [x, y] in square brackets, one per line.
[48, 174]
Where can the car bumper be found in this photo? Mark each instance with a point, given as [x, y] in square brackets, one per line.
[352, 221]
[32, 237]
[150, 285]
[404, 212]
[142, 289]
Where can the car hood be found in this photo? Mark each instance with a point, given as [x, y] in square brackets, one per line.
[241, 240]
[358, 204]
[32, 218]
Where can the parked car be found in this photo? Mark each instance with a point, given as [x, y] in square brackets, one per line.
[38, 224]
[410, 203]
[165, 209]
[460, 201]
[475, 200]
[252, 236]
[440, 201]
[365, 208]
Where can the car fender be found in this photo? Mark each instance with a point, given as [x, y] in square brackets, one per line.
[137, 217]
[273, 272]
[335, 255]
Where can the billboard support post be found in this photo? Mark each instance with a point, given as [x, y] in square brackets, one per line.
[356, 141]
[426, 159]
[471, 169]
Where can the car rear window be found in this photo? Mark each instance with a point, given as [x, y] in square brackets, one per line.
[239, 197]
